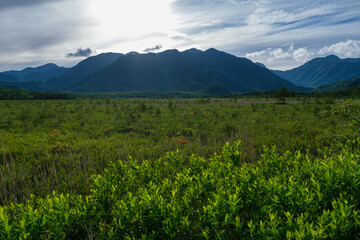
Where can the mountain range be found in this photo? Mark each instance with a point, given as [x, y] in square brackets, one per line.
[81, 70]
[322, 71]
[41, 73]
[193, 70]
[171, 70]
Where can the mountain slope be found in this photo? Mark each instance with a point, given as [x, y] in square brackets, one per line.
[321, 71]
[261, 64]
[141, 72]
[195, 82]
[242, 71]
[214, 89]
[8, 78]
[29, 85]
[81, 70]
[172, 70]
[40, 73]
[341, 85]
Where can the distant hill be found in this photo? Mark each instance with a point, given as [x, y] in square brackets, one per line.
[8, 78]
[62, 81]
[322, 71]
[81, 70]
[341, 85]
[172, 70]
[41, 73]
[11, 85]
[29, 85]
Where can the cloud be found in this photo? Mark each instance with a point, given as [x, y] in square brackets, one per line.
[80, 53]
[279, 57]
[157, 47]
[302, 55]
[270, 54]
[267, 16]
[44, 32]
[49, 28]
[22, 3]
[349, 48]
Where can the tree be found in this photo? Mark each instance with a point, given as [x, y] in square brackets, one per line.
[282, 94]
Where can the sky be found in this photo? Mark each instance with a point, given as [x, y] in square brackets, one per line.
[282, 34]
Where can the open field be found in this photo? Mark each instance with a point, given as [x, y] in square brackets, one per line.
[66, 145]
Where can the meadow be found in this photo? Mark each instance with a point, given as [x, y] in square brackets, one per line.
[179, 168]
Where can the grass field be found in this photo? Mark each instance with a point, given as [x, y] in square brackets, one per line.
[162, 168]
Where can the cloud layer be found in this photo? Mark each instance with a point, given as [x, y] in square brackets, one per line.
[282, 34]
[346, 49]
[266, 30]
[350, 49]
[22, 3]
[270, 55]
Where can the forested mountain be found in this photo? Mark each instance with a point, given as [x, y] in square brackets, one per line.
[342, 85]
[322, 71]
[8, 78]
[81, 70]
[41, 73]
[172, 70]
[192, 70]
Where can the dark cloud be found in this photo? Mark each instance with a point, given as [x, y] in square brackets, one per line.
[80, 53]
[157, 47]
[22, 3]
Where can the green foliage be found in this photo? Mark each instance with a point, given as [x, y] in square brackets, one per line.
[93, 133]
[17, 94]
[292, 196]
[350, 110]
[281, 94]
[173, 168]
[343, 85]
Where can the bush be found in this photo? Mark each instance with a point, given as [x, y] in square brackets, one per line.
[293, 196]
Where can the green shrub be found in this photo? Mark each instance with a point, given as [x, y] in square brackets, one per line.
[284, 196]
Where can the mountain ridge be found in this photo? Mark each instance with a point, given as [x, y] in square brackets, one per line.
[40, 73]
[82, 69]
[322, 71]
[170, 70]
[161, 71]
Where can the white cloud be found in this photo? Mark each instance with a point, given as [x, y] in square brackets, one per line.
[270, 54]
[349, 48]
[266, 16]
[302, 54]
[278, 53]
